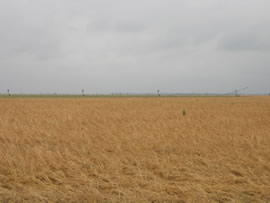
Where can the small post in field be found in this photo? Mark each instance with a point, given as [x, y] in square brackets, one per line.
[8, 91]
[158, 93]
[184, 112]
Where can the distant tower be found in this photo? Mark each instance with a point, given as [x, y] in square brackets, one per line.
[239, 90]
[83, 92]
[158, 93]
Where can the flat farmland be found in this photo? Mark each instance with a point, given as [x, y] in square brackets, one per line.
[135, 149]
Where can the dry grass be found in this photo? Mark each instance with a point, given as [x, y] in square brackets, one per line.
[135, 149]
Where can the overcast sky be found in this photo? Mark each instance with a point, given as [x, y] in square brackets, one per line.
[105, 46]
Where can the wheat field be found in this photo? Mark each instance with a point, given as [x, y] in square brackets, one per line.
[135, 149]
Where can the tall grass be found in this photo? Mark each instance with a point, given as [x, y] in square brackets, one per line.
[135, 149]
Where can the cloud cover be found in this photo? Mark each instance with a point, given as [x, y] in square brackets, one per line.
[107, 46]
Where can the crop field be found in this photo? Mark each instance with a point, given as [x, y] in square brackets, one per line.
[135, 149]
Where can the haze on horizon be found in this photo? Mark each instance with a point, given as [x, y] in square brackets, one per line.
[104, 46]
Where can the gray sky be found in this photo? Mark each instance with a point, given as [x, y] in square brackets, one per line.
[106, 46]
